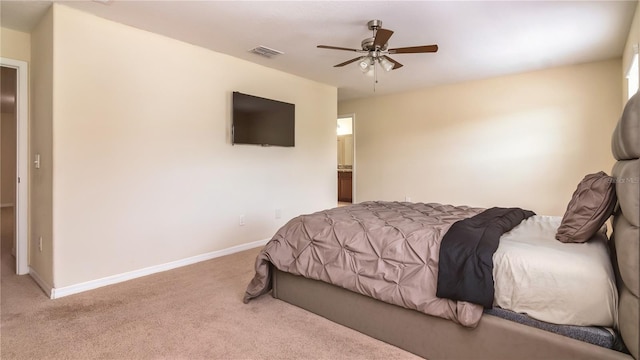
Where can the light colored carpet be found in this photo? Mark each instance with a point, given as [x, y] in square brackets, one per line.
[194, 312]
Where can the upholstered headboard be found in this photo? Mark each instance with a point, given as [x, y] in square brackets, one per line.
[625, 146]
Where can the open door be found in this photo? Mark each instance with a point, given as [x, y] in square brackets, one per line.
[14, 120]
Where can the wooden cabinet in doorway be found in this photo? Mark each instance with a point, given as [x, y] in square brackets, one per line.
[345, 192]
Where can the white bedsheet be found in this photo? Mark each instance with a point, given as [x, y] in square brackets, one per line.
[569, 284]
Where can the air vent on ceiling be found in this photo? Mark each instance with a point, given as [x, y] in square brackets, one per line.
[265, 51]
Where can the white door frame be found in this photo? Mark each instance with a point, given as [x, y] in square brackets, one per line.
[22, 166]
[353, 167]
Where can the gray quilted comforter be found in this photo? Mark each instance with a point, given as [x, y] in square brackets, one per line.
[385, 250]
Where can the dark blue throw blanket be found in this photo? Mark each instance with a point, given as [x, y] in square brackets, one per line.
[465, 270]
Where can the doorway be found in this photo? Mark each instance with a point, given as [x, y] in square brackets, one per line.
[13, 160]
[346, 157]
[8, 142]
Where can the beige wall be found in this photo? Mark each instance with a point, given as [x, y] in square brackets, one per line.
[15, 45]
[632, 40]
[143, 169]
[522, 140]
[41, 142]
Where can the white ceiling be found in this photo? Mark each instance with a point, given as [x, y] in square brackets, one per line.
[476, 39]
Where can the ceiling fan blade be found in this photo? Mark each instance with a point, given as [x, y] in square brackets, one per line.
[349, 61]
[382, 36]
[396, 65]
[414, 49]
[335, 48]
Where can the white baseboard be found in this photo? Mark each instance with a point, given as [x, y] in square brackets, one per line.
[48, 289]
[114, 279]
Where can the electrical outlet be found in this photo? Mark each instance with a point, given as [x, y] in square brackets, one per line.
[40, 243]
[242, 220]
[407, 198]
[278, 213]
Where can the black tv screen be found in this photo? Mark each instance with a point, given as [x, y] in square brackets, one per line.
[262, 121]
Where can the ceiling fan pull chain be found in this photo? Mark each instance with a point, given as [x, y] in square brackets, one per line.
[375, 76]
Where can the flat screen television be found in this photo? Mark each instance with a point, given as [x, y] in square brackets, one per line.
[261, 121]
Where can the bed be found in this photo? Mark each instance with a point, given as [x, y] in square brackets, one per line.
[442, 328]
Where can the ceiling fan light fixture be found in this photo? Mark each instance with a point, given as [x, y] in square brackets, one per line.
[364, 65]
[386, 64]
[367, 65]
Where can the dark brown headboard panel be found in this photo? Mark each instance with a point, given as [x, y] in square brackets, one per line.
[625, 146]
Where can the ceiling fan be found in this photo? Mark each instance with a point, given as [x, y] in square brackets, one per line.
[376, 50]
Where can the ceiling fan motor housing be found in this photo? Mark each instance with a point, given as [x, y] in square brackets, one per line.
[368, 45]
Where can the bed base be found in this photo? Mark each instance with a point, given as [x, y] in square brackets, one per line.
[432, 337]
